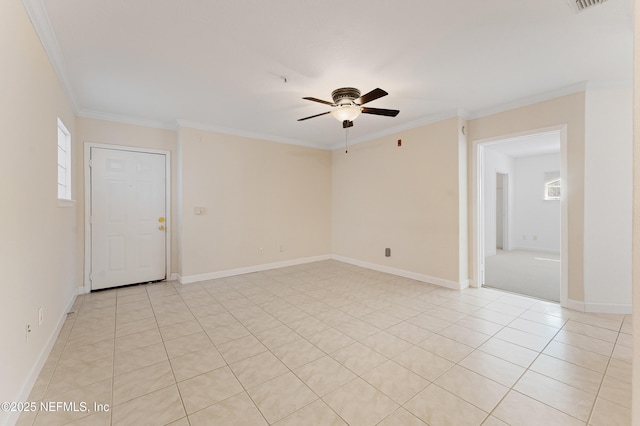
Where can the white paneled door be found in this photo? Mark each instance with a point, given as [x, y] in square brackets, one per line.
[128, 212]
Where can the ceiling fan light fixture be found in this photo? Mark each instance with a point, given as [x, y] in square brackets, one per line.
[580, 5]
[348, 105]
[346, 112]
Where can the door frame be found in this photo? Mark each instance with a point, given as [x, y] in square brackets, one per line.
[477, 205]
[87, 204]
[505, 209]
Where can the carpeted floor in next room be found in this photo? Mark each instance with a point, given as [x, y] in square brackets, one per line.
[528, 273]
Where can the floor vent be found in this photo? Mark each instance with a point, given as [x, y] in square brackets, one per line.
[585, 4]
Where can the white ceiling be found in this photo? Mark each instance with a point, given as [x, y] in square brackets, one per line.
[222, 65]
[527, 146]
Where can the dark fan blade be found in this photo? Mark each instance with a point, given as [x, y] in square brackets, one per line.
[314, 116]
[320, 100]
[380, 111]
[347, 124]
[371, 96]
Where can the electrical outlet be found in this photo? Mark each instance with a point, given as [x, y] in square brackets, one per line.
[260, 250]
[40, 316]
[28, 331]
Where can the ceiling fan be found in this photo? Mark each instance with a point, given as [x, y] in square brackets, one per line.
[347, 104]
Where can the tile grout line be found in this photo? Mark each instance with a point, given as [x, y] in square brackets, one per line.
[604, 375]
[184, 408]
[226, 362]
[128, 372]
[541, 353]
[511, 389]
[369, 303]
[113, 366]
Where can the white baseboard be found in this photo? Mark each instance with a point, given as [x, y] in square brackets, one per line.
[607, 308]
[42, 358]
[188, 279]
[598, 308]
[403, 273]
[576, 305]
[535, 249]
[473, 283]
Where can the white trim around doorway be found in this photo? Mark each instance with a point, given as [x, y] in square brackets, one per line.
[477, 207]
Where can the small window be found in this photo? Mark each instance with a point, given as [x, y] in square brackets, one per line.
[552, 186]
[64, 162]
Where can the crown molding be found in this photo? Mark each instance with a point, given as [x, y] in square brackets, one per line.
[243, 133]
[40, 20]
[430, 119]
[530, 100]
[126, 119]
[609, 85]
[582, 86]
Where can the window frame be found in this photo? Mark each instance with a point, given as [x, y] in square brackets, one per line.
[552, 184]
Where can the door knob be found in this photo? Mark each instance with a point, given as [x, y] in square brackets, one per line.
[161, 227]
[161, 219]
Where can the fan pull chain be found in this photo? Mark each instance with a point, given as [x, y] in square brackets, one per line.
[346, 138]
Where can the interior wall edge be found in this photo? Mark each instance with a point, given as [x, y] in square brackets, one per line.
[635, 248]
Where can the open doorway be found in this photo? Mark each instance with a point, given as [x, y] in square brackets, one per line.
[520, 210]
[502, 210]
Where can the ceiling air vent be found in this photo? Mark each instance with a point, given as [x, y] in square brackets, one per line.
[581, 5]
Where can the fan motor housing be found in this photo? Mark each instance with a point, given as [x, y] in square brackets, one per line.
[345, 95]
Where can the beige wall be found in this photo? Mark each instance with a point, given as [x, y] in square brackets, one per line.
[636, 217]
[566, 110]
[405, 198]
[114, 133]
[38, 246]
[257, 194]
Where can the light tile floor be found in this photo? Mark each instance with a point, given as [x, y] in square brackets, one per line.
[329, 343]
